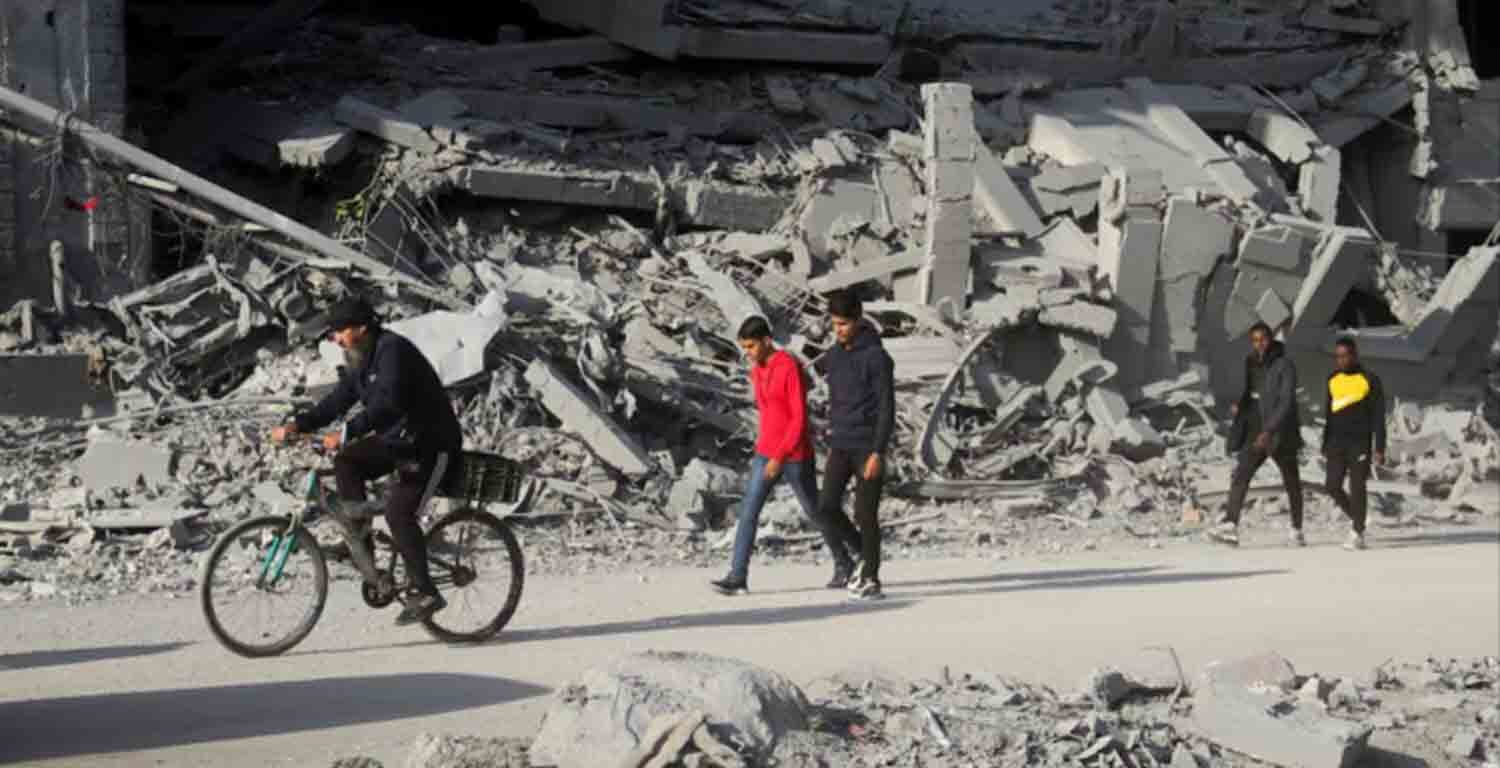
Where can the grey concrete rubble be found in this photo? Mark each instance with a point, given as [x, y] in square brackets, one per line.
[1063, 239]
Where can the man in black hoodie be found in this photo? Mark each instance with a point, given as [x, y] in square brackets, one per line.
[407, 427]
[1353, 423]
[1266, 426]
[862, 414]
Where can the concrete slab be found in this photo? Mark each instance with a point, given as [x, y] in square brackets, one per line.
[1003, 209]
[739, 207]
[1055, 137]
[1343, 259]
[1273, 726]
[1276, 247]
[839, 200]
[113, 462]
[601, 190]
[1272, 310]
[52, 386]
[1128, 254]
[1285, 136]
[384, 124]
[1193, 240]
[578, 413]
[734, 302]
[923, 357]
[1318, 184]
[1080, 317]
[1180, 129]
[904, 261]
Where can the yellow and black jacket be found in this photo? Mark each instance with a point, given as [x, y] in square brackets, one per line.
[1354, 413]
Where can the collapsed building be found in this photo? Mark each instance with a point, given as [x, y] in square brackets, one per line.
[1064, 216]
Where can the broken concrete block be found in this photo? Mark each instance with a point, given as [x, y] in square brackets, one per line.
[1264, 722]
[734, 302]
[1272, 310]
[1318, 184]
[1185, 133]
[384, 124]
[1128, 255]
[1288, 138]
[742, 208]
[1345, 257]
[53, 386]
[922, 357]
[1003, 210]
[1080, 316]
[948, 125]
[599, 720]
[563, 187]
[904, 261]
[111, 462]
[433, 108]
[784, 96]
[453, 342]
[1080, 371]
[1193, 240]
[1122, 189]
[577, 412]
[1277, 247]
[1056, 138]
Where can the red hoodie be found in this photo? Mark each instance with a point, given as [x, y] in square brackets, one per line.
[781, 399]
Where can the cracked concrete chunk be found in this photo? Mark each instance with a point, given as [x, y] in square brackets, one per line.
[112, 462]
[1248, 707]
[1344, 257]
[1272, 310]
[1002, 209]
[1278, 247]
[577, 412]
[600, 719]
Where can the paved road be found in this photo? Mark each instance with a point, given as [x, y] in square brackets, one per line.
[140, 682]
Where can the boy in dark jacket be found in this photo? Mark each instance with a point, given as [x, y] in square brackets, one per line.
[862, 415]
[1266, 426]
[1353, 424]
[407, 426]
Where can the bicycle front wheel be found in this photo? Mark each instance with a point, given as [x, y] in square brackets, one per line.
[263, 586]
[476, 563]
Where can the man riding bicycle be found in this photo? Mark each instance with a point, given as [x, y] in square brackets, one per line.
[407, 427]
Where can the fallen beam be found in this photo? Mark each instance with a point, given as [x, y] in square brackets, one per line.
[132, 155]
[574, 409]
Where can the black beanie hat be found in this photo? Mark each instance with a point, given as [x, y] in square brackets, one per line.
[351, 312]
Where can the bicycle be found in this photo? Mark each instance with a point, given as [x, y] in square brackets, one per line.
[271, 556]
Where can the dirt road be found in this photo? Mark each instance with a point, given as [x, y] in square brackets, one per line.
[141, 682]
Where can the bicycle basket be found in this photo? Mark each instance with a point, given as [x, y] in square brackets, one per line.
[485, 477]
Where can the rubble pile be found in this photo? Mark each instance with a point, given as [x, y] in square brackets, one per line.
[1145, 713]
[1062, 265]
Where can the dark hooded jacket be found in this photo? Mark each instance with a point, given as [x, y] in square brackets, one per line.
[1274, 402]
[405, 402]
[861, 393]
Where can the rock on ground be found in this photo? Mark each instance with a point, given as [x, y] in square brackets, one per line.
[598, 721]
[438, 751]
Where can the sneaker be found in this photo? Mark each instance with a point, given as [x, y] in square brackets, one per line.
[855, 583]
[1296, 539]
[869, 589]
[1355, 541]
[1225, 533]
[420, 608]
[841, 576]
[730, 586]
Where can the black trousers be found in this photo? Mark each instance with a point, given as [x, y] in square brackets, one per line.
[417, 473]
[1250, 461]
[1353, 461]
[839, 468]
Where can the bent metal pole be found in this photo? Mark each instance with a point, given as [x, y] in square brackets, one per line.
[139, 158]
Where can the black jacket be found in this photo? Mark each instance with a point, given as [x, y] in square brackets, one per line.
[405, 402]
[1358, 417]
[861, 393]
[1277, 404]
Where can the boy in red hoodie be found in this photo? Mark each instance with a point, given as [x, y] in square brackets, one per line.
[783, 449]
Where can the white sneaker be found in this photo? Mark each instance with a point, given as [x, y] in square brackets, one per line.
[1296, 539]
[1225, 533]
[1355, 541]
[856, 583]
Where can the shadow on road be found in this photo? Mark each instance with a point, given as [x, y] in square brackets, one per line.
[1028, 576]
[1442, 539]
[120, 722]
[37, 659]
[1126, 577]
[750, 617]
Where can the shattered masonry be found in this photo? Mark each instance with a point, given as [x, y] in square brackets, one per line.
[1064, 237]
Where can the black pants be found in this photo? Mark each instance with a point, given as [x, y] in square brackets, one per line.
[416, 475]
[1354, 461]
[1250, 461]
[841, 466]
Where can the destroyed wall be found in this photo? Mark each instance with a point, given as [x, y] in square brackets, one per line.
[70, 54]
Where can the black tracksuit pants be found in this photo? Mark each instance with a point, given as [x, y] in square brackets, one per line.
[840, 466]
[1251, 460]
[372, 458]
[1353, 460]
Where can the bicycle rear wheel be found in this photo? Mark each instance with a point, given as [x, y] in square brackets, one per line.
[263, 586]
[476, 563]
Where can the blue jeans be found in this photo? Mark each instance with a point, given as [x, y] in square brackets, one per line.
[804, 482]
